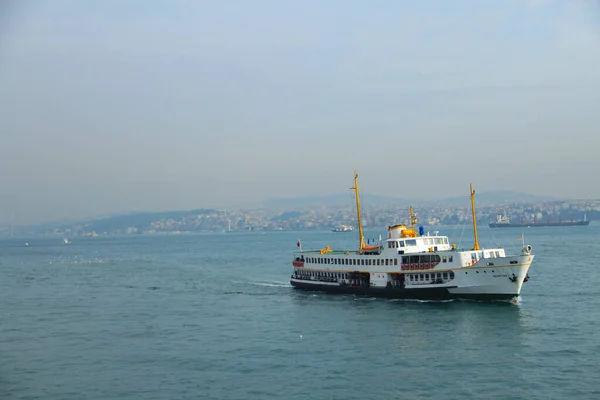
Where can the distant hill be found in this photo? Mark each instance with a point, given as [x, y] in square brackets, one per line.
[142, 220]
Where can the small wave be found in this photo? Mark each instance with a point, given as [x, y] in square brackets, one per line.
[80, 261]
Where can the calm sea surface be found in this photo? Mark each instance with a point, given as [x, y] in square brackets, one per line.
[214, 317]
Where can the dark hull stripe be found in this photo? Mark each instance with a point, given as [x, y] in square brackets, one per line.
[400, 293]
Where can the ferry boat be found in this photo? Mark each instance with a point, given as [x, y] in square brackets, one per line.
[413, 264]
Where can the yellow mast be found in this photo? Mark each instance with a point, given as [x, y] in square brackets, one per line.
[413, 218]
[360, 229]
[476, 245]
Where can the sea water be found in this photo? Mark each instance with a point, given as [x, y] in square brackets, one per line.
[212, 316]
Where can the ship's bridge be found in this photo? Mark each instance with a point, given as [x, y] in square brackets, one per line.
[407, 240]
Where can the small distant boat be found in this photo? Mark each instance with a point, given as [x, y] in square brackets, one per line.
[343, 228]
[65, 240]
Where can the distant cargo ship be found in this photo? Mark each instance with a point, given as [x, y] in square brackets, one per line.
[504, 222]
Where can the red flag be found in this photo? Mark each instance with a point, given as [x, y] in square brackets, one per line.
[298, 244]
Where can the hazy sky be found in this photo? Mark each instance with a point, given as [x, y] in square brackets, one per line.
[115, 105]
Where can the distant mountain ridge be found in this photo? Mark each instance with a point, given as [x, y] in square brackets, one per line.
[332, 200]
[484, 198]
[496, 198]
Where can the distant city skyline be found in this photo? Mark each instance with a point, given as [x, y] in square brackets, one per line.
[118, 106]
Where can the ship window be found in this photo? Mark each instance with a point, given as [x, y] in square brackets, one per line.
[401, 244]
[451, 275]
[421, 277]
[443, 258]
[445, 240]
[450, 258]
[426, 277]
[411, 242]
[497, 254]
[395, 261]
[445, 275]
[389, 245]
[386, 261]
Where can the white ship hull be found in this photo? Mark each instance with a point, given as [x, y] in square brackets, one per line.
[479, 281]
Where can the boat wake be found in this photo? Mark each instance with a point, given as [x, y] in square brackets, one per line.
[271, 284]
[423, 301]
